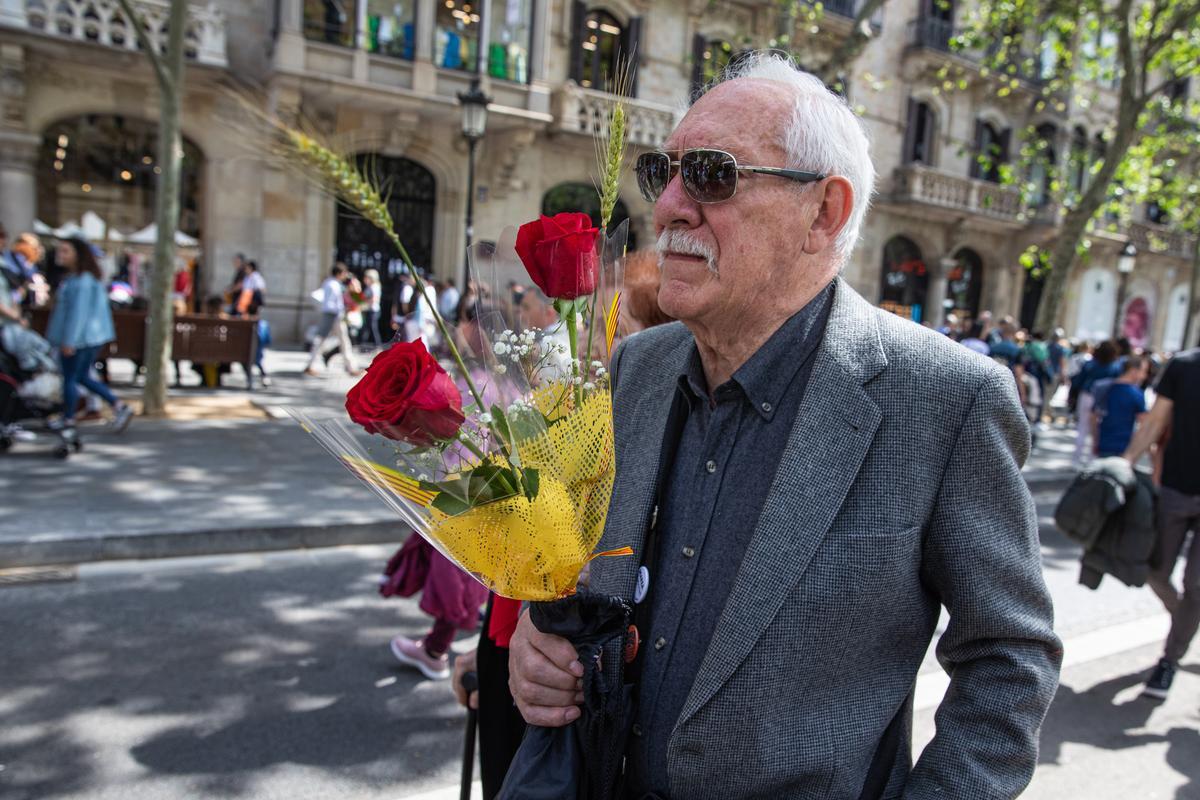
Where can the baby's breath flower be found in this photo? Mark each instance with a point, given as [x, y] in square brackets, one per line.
[485, 418]
[501, 369]
[589, 386]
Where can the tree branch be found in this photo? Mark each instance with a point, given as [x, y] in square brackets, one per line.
[1183, 19]
[135, 19]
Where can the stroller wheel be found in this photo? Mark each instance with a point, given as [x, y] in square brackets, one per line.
[62, 451]
[77, 445]
[5, 443]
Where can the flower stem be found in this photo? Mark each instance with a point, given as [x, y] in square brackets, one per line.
[458, 359]
[571, 320]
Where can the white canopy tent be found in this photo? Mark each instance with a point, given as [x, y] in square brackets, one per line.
[149, 235]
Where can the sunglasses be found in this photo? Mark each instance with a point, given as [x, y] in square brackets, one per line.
[709, 176]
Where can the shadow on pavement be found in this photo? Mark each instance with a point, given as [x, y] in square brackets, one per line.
[1093, 717]
[127, 681]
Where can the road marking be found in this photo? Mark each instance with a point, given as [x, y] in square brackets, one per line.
[931, 687]
[448, 793]
[1091, 646]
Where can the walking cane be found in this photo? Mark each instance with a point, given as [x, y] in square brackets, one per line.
[470, 682]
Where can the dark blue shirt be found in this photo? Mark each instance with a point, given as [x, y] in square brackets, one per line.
[728, 451]
[1123, 402]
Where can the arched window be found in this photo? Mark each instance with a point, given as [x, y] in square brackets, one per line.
[964, 283]
[411, 192]
[921, 134]
[107, 164]
[583, 197]
[1045, 162]
[905, 279]
[710, 57]
[601, 44]
[991, 151]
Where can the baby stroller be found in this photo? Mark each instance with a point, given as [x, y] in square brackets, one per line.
[30, 391]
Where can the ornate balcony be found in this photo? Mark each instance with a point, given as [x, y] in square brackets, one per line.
[916, 183]
[1150, 238]
[103, 22]
[578, 110]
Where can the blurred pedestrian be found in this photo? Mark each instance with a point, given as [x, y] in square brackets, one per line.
[1177, 409]
[253, 292]
[1103, 365]
[333, 321]
[80, 324]
[372, 303]
[448, 297]
[1119, 404]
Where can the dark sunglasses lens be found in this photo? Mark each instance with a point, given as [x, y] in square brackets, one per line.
[708, 175]
[653, 174]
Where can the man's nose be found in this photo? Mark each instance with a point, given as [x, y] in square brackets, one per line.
[674, 209]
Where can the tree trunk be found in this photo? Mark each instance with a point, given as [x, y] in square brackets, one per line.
[170, 150]
[1189, 326]
[1064, 254]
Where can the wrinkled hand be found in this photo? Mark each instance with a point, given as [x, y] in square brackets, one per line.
[544, 676]
[462, 665]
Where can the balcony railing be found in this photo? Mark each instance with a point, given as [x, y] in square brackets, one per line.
[932, 33]
[1150, 238]
[586, 111]
[921, 184]
[104, 22]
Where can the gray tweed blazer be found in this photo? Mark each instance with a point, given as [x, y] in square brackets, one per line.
[899, 490]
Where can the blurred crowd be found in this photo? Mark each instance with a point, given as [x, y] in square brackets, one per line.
[1104, 383]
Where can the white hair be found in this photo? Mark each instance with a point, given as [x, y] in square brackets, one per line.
[824, 135]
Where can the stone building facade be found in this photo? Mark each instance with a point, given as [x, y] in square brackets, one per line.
[381, 79]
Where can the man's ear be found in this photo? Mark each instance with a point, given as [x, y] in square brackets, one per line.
[834, 204]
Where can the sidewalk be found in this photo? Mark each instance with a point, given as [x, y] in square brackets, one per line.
[231, 473]
[235, 474]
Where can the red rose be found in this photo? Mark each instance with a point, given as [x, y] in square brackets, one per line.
[559, 254]
[407, 396]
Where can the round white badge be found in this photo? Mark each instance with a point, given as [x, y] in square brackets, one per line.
[643, 585]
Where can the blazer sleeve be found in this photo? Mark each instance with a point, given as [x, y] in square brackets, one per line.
[982, 556]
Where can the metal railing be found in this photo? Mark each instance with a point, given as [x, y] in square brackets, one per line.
[932, 33]
[104, 22]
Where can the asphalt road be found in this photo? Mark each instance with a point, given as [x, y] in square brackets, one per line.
[263, 676]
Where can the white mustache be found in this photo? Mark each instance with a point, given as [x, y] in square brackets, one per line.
[679, 241]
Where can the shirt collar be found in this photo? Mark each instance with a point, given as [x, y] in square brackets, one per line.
[766, 376]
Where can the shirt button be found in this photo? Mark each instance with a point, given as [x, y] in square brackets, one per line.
[637, 730]
[766, 407]
[688, 552]
[660, 643]
[711, 466]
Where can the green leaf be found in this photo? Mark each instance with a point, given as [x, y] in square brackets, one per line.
[532, 482]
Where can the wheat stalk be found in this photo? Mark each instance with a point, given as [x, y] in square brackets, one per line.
[610, 150]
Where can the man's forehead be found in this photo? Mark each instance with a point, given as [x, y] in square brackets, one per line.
[741, 116]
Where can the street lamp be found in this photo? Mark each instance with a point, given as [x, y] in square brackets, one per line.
[1125, 264]
[474, 125]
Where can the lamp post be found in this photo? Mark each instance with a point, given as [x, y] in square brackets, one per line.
[1125, 264]
[474, 125]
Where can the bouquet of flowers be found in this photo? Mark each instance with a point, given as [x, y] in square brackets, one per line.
[501, 454]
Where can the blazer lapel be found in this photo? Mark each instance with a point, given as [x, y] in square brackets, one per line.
[828, 442]
[639, 449]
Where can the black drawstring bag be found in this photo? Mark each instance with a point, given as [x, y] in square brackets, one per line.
[581, 760]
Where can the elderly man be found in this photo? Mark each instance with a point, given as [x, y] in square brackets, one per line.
[829, 476]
